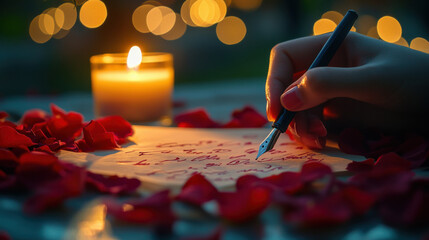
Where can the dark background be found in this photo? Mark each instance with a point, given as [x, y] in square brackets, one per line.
[59, 66]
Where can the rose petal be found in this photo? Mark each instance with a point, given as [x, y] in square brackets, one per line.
[197, 190]
[4, 236]
[38, 168]
[363, 166]
[391, 161]
[288, 182]
[313, 170]
[9, 138]
[97, 138]
[64, 126]
[247, 117]
[34, 116]
[197, 118]
[112, 184]
[154, 210]
[244, 204]
[118, 125]
[8, 161]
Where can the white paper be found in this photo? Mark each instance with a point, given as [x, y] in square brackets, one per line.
[167, 157]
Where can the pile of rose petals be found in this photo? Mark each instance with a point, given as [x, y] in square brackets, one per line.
[247, 117]
[28, 163]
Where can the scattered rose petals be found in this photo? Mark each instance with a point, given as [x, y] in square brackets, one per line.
[32, 117]
[118, 125]
[154, 210]
[8, 161]
[197, 190]
[364, 166]
[247, 117]
[9, 138]
[112, 184]
[197, 118]
[97, 138]
[64, 126]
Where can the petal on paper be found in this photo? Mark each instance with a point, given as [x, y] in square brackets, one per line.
[64, 126]
[97, 138]
[391, 161]
[197, 118]
[197, 190]
[247, 117]
[112, 184]
[362, 166]
[37, 168]
[9, 138]
[118, 125]
[313, 170]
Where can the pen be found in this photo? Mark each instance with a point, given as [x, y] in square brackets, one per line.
[323, 58]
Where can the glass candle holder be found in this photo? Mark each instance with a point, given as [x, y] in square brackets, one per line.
[142, 94]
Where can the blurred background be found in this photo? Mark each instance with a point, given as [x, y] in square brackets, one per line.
[45, 45]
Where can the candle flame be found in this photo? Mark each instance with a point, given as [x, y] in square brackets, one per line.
[134, 57]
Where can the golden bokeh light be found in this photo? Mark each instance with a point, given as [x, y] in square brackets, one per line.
[389, 29]
[61, 34]
[160, 20]
[57, 25]
[402, 42]
[70, 15]
[353, 29]
[231, 30]
[185, 12]
[323, 25]
[139, 18]
[228, 2]
[59, 18]
[93, 13]
[177, 31]
[365, 22]
[420, 44]
[335, 16]
[246, 5]
[205, 13]
[36, 33]
[372, 32]
[46, 24]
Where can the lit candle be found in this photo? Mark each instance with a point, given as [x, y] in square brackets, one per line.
[137, 87]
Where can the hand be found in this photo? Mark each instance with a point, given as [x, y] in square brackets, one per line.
[368, 83]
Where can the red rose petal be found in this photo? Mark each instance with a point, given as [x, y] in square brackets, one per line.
[37, 168]
[154, 210]
[64, 126]
[118, 125]
[288, 182]
[197, 118]
[363, 166]
[247, 117]
[197, 190]
[9, 138]
[4, 236]
[244, 204]
[8, 161]
[391, 161]
[314, 170]
[34, 116]
[97, 138]
[3, 115]
[112, 184]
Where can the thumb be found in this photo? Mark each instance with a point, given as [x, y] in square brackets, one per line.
[318, 85]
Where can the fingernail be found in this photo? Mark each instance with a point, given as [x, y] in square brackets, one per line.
[292, 99]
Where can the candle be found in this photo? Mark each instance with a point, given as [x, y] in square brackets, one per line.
[137, 87]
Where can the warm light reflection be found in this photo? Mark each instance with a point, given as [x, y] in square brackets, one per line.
[134, 57]
[70, 15]
[205, 13]
[185, 12]
[46, 24]
[365, 22]
[36, 33]
[402, 42]
[389, 29]
[91, 224]
[420, 44]
[57, 25]
[335, 16]
[231, 30]
[177, 31]
[59, 18]
[160, 20]
[139, 18]
[323, 25]
[247, 5]
[93, 13]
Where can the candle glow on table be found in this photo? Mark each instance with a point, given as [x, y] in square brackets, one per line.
[137, 87]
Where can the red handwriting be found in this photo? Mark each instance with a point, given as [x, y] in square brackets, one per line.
[177, 159]
[175, 144]
[142, 162]
[205, 157]
[152, 152]
[191, 151]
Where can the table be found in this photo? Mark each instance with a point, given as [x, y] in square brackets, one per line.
[82, 218]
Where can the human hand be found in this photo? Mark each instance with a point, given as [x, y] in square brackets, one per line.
[368, 83]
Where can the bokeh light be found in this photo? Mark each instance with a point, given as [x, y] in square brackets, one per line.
[323, 25]
[246, 5]
[335, 16]
[231, 30]
[160, 20]
[93, 13]
[177, 31]
[70, 15]
[139, 18]
[389, 29]
[205, 13]
[36, 33]
[57, 24]
[402, 42]
[185, 12]
[46, 23]
[365, 22]
[420, 44]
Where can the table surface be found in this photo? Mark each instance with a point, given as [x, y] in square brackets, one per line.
[78, 218]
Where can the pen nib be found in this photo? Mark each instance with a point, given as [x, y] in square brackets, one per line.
[268, 142]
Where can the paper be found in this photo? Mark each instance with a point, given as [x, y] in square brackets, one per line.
[167, 157]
